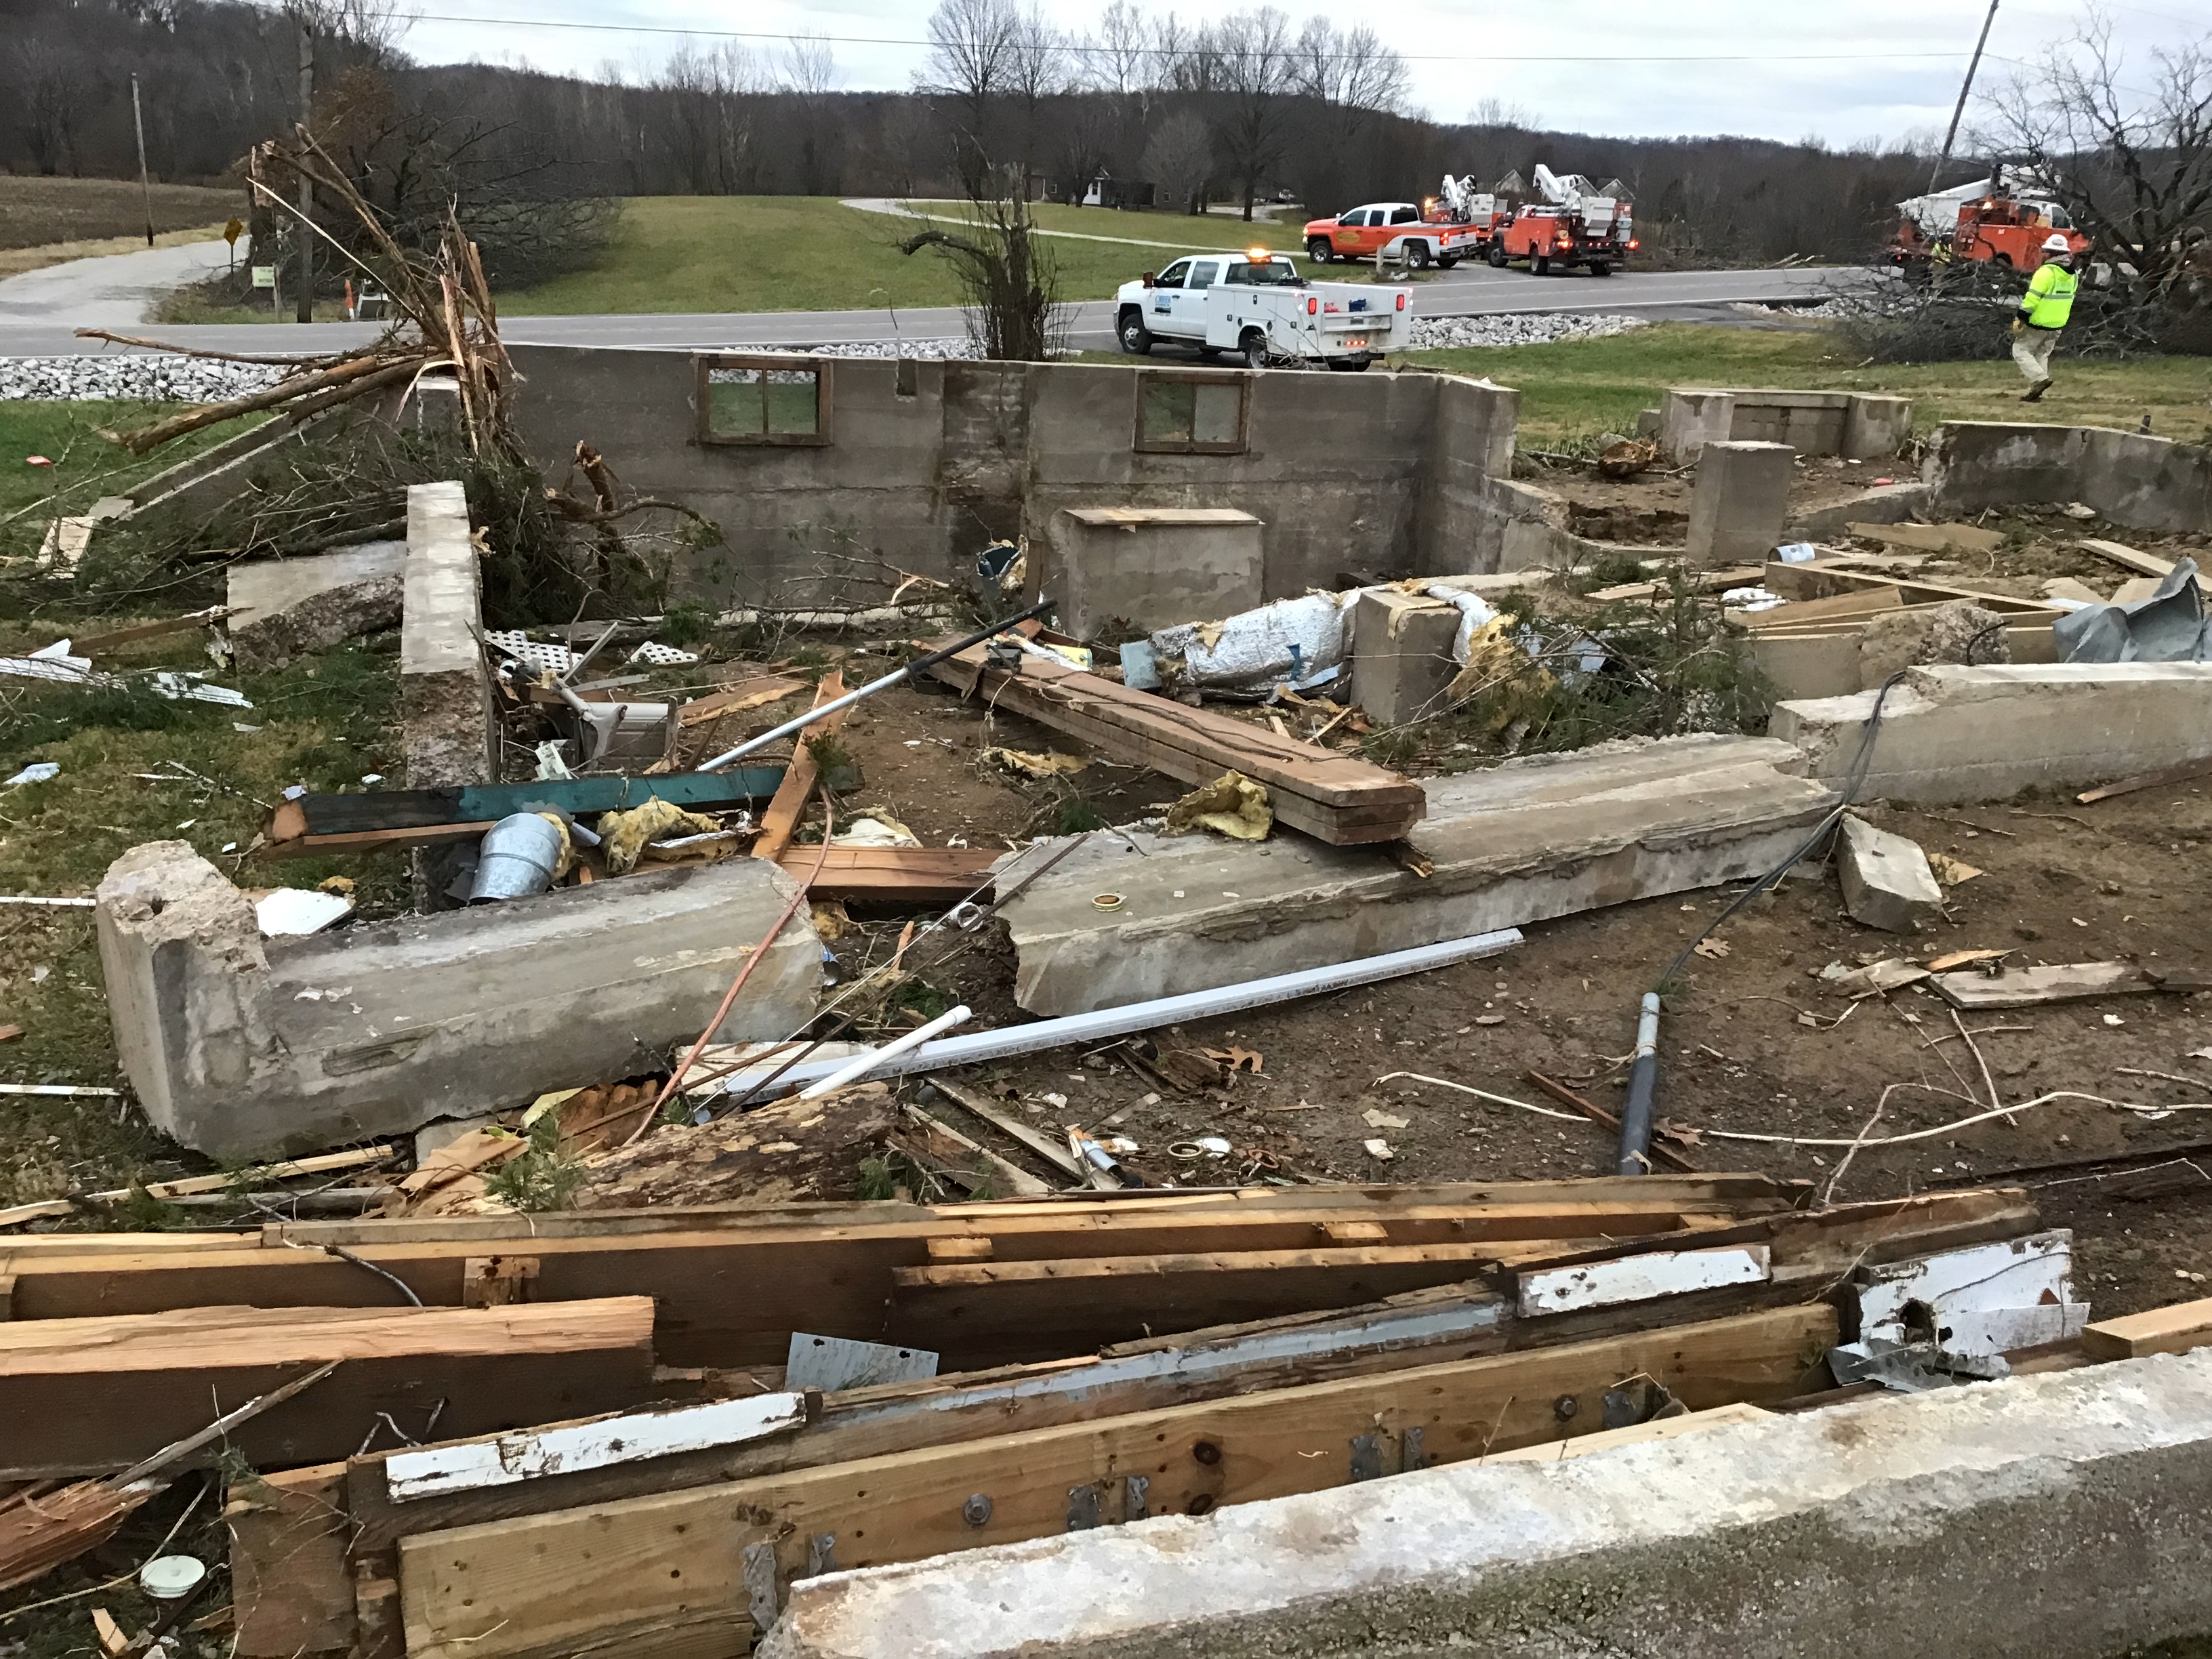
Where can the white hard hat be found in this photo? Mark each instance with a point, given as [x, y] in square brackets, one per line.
[2054, 243]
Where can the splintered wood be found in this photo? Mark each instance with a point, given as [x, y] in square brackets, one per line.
[1331, 797]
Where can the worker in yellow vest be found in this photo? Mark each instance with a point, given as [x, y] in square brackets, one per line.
[2044, 311]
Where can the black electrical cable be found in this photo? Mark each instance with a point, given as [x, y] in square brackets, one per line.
[1636, 1114]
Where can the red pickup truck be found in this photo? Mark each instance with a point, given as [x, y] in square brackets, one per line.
[1383, 228]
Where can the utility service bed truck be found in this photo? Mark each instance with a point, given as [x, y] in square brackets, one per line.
[1256, 305]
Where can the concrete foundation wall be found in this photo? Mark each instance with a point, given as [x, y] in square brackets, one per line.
[2045, 1518]
[1950, 735]
[1146, 569]
[1860, 425]
[239, 1047]
[445, 694]
[926, 461]
[2130, 478]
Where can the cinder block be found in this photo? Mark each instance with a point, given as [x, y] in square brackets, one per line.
[1401, 654]
[1886, 881]
[1739, 502]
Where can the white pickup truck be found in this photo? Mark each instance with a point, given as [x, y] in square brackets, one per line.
[1258, 306]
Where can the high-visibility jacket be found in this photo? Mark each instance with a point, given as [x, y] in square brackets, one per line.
[2050, 300]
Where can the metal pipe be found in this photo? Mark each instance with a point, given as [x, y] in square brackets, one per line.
[1643, 1079]
[860, 1065]
[873, 686]
[1073, 1029]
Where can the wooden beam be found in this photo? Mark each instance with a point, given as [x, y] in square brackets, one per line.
[670, 1569]
[2186, 772]
[2119, 553]
[1011, 1177]
[2177, 1329]
[1331, 796]
[783, 812]
[746, 694]
[915, 875]
[2028, 987]
[106, 1391]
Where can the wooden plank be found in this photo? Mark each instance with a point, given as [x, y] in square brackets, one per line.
[1450, 1323]
[2026, 988]
[919, 875]
[574, 1581]
[373, 840]
[783, 812]
[755, 693]
[318, 817]
[2128, 558]
[1053, 1152]
[2186, 772]
[292, 1591]
[321, 1163]
[1931, 537]
[1335, 797]
[1010, 1176]
[1661, 1428]
[106, 1391]
[1852, 607]
[2177, 1329]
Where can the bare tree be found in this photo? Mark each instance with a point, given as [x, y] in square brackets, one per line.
[810, 76]
[1039, 64]
[709, 131]
[1119, 57]
[1495, 114]
[51, 86]
[2132, 164]
[1006, 275]
[1179, 159]
[373, 28]
[973, 46]
[1349, 69]
[1257, 72]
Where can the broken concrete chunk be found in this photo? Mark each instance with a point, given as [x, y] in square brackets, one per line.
[284, 608]
[1739, 502]
[1885, 878]
[1958, 632]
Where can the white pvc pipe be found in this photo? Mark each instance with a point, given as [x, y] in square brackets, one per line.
[1096, 1027]
[860, 1065]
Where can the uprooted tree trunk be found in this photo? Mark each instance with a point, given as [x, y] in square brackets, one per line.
[1008, 281]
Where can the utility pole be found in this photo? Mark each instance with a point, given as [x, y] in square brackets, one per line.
[145, 190]
[306, 313]
[1965, 87]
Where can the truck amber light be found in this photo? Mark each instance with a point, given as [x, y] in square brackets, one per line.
[1401, 302]
[1633, 245]
[1313, 307]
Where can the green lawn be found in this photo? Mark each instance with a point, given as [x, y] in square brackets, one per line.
[86, 465]
[707, 253]
[1574, 391]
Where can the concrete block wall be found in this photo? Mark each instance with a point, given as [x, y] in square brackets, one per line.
[445, 692]
[1863, 426]
[2131, 478]
[239, 1046]
[1148, 568]
[926, 461]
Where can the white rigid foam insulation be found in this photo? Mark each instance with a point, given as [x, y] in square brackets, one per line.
[1642, 1277]
[532, 1453]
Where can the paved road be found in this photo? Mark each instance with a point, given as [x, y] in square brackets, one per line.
[39, 310]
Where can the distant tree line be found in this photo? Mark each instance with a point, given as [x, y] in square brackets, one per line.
[1236, 110]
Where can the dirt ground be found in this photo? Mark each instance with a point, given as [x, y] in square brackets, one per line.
[1755, 1043]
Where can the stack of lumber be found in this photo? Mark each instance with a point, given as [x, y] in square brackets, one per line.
[1330, 796]
[1100, 1359]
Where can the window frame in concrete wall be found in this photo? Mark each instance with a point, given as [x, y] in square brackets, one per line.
[1241, 384]
[767, 363]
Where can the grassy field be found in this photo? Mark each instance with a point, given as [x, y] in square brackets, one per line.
[39, 212]
[86, 465]
[1570, 393]
[706, 253]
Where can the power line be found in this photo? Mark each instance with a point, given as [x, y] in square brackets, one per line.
[1149, 52]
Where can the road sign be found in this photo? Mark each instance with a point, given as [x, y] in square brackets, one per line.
[264, 276]
[233, 231]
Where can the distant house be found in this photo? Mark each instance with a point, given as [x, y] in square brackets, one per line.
[1511, 184]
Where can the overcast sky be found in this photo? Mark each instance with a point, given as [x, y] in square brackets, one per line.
[1867, 69]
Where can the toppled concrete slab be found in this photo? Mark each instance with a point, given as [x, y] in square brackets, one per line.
[1884, 504]
[239, 1046]
[1950, 735]
[1808, 1534]
[284, 608]
[1545, 837]
[1885, 878]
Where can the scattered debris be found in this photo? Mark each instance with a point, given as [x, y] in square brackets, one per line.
[1886, 879]
[1232, 805]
